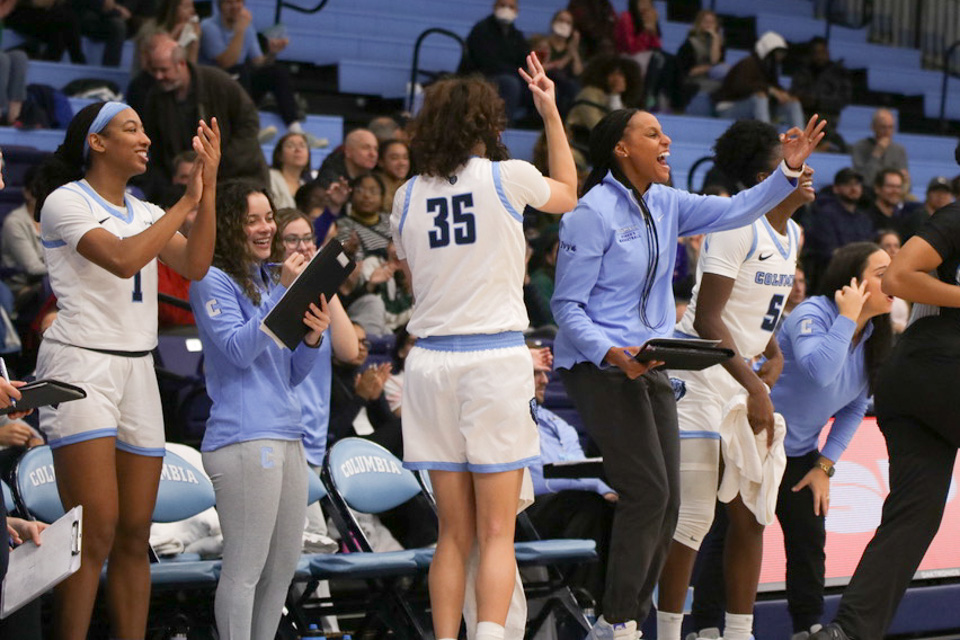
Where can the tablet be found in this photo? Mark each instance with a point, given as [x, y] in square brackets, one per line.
[688, 354]
[44, 392]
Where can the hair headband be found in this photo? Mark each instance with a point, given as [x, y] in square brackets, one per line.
[104, 116]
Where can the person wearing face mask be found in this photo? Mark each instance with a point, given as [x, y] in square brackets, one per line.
[563, 65]
[613, 293]
[496, 49]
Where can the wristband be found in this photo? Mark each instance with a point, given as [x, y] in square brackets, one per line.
[791, 173]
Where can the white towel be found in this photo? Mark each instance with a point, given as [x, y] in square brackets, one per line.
[750, 468]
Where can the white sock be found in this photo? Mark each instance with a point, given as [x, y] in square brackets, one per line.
[668, 625]
[489, 631]
[737, 626]
[295, 127]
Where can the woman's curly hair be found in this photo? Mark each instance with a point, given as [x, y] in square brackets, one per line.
[231, 254]
[457, 114]
[745, 149]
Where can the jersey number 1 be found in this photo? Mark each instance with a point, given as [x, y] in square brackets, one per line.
[463, 224]
[137, 289]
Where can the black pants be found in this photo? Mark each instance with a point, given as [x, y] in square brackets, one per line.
[578, 514]
[804, 541]
[271, 78]
[634, 424]
[921, 467]
[58, 28]
[108, 28]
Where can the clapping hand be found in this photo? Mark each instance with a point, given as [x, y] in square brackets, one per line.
[798, 145]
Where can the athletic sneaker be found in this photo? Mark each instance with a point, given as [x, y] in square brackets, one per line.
[830, 632]
[803, 635]
[710, 633]
[603, 630]
[267, 134]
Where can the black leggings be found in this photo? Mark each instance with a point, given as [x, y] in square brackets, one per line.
[634, 423]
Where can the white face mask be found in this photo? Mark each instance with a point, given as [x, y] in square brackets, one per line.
[563, 29]
[505, 15]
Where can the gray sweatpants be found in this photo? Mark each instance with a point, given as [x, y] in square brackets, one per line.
[261, 489]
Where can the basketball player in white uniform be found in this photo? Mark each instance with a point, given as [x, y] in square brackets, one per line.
[743, 279]
[101, 247]
[468, 381]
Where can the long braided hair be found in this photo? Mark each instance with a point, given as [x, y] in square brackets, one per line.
[603, 140]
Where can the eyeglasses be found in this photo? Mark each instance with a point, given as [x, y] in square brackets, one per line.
[365, 344]
[368, 191]
[293, 241]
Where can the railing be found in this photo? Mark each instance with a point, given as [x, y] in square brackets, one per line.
[693, 171]
[943, 86]
[281, 4]
[415, 68]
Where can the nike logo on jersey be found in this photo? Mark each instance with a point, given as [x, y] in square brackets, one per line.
[764, 257]
[104, 220]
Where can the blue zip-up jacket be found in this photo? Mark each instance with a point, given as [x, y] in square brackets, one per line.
[249, 378]
[314, 396]
[602, 262]
[824, 375]
[559, 442]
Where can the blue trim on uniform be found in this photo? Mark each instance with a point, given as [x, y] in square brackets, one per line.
[503, 466]
[82, 437]
[152, 452]
[793, 229]
[776, 241]
[53, 244]
[473, 342]
[111, 209]
[435, 466]
[753, 246]
[498, 184]
[406, 203]
[703, 435]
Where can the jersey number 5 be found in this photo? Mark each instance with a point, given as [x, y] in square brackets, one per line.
[463, 224]
[773, 313]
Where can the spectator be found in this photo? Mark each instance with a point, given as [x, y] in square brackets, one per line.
[749, 87]
[836, 222]
[393, 169]
[104, 21]
[700, 65]
[871, 155]
[358, 156]
[177, 18]
[393, 387]
[367, 219]
[385, 279]
[569, 508]
[230, 42]
[609, 83]
[22, 251]
[170, 282]
[290, 169]
[54, 24]
[889, 241]
[823, 87]
[887, 211]
[797, 295]
[323, 205]
[939, 195]
[358, 406]
[496, 49]
[13, 86]
[183, 90]
[563, 64]
[385, 129]
[543, 278]
[596, 21]
[637, 33]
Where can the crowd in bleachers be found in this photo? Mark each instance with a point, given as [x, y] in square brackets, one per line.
[186, 69]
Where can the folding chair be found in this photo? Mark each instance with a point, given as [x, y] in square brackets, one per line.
[381, 604]
[8, 501]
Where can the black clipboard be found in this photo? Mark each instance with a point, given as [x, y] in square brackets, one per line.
[324, 274]
[41, 393]
[586, 468]
[689, 354]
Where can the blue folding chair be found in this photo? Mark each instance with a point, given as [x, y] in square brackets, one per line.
[381, 605]
[8, 501]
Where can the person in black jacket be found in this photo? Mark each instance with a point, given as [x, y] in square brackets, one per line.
[496, 49]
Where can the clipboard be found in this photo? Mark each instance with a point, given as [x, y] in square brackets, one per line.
[35, 570]
[324, 274]
[41, 393]
[586, 468]
[684, 354]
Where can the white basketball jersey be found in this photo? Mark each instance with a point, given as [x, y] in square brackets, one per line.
[463, 239]
[763, 265]
[97, 310]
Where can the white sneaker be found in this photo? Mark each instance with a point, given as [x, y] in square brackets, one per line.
[267, 134]
[803, 635]
[603, 630]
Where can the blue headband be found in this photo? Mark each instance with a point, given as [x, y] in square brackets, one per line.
[106, 114]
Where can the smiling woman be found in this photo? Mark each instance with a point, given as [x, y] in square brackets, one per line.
[613, 293]
[101, 247]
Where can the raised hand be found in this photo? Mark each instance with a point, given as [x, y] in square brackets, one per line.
[207, 145]
[544, 93]
[798, 145]
[851, 298]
